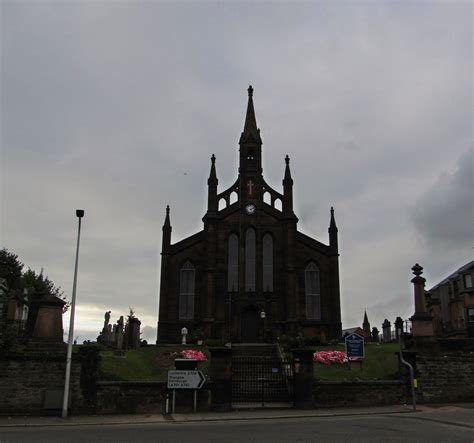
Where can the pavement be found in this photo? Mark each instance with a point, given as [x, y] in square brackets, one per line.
[455, 414]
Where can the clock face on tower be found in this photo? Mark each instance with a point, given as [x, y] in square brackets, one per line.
[250, 209]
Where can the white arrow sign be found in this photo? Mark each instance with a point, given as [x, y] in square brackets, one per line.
[185, 379]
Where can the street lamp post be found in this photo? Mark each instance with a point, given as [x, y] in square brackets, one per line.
[79, 215]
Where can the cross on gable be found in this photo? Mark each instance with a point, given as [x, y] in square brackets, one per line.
[250, 185]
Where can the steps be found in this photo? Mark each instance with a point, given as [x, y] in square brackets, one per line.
[263, 350]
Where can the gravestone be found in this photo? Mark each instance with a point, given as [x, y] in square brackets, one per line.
[387, 332]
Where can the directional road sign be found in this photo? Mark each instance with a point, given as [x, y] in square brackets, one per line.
[185, 379]
[355, 347]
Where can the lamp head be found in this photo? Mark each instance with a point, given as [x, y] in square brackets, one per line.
[79, 213]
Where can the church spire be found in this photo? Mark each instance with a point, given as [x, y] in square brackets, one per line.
[212, 182]
[250, 126]
[166, 238]
[250, 141]
[333, 231]
[366, 324]
[251, 133]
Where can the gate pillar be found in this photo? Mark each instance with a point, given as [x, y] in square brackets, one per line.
[304, 378]
[221, 378]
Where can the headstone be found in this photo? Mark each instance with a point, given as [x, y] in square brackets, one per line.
[120, 333]
[398, 327]
[132, 333]
[49, 319]
[422, 327]
[375, 334]
[386, 331]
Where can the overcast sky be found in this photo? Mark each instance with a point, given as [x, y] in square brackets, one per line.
[116, 108]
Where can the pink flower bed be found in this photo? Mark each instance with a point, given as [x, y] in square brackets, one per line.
[191, 354]
[330, 357]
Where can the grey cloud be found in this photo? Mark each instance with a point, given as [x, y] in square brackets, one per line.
[444, 214]
[106, 106]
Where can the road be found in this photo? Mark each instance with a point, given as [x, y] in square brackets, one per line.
[367, 428]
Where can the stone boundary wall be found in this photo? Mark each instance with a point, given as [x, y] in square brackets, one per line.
[358, 393]
[28, 380]
[445, 377]
[142, 397]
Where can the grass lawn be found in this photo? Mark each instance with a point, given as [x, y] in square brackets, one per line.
[380, 363]
[150, 363]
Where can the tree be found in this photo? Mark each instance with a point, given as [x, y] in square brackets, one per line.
[11, 269]
[39, 286]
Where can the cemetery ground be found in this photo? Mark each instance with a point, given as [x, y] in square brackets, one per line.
[151, 363]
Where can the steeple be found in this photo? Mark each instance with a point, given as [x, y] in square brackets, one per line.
[250, 126]
[366, 324]
[166, 238]
[250, 141]
[212, 182]
[333, 231]
[287, 188]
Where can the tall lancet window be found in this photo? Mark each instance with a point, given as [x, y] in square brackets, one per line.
[250, 260]
[268, 263]
[313, 292]
[233, 264]
[186, 291]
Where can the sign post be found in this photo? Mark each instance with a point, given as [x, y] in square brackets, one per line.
[185, 380]
[355, 348]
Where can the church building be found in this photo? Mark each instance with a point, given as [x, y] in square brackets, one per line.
[249, 275]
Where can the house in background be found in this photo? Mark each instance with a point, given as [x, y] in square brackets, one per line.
[451, 304]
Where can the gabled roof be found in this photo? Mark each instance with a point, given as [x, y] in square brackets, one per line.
[462, 269]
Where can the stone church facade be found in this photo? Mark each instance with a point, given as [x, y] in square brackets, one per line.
[249, 275]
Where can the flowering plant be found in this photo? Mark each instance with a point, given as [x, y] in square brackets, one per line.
[191, 354]
[330, 357]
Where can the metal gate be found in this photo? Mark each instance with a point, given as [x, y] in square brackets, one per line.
[262, 382]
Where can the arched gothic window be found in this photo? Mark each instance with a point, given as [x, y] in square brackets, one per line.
[267, 263]
[186, 291]
[250, 260]
[233, 264]
[313, 292]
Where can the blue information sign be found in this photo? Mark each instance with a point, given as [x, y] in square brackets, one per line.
[355, 347]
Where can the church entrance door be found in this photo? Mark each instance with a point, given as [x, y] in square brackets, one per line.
[249, 326]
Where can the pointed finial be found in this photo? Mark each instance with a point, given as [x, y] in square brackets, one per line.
[250, 91]
[167, 223]
[213, 159]
[287, 159]
[332, 211]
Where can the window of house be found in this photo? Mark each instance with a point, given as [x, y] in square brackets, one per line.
[267, 263]
[313, 292]
[470, 315]
[186, 292]
[250, 248]
[233, 263]
[467, 281]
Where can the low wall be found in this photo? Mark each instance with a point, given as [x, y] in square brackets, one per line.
[33, 382]
[445, 377]
[360, 393]
[132, 397]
